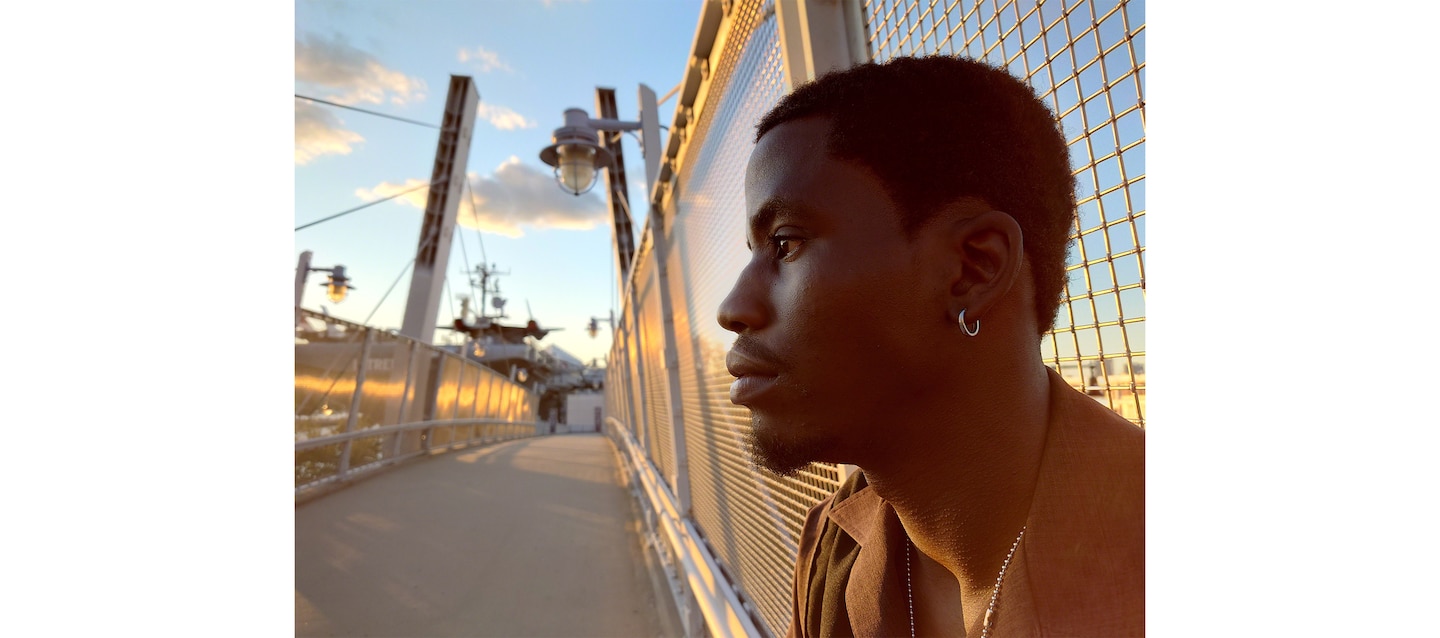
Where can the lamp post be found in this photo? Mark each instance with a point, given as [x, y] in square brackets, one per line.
[337, 285]
[576, 152]
[579, 151]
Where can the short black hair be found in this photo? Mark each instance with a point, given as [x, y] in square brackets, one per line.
[936, 129]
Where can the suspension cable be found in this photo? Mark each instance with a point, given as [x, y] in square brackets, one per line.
[376, 113]
[388, 290]
[367, 205]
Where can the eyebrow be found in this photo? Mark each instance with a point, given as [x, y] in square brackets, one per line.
[776, 208]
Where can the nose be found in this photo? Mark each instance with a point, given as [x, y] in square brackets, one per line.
[745, 308]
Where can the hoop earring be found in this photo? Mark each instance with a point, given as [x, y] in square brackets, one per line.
[966, 328]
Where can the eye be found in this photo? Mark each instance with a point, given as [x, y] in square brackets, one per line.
[785, 245]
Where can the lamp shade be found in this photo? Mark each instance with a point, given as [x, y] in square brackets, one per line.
[576, 153]
[338, 284]
[576, 170]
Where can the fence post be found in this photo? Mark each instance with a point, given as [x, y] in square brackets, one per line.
[354, 414]
[674, 403]
[404, 398]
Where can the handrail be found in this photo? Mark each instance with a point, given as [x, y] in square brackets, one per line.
[345, 475]
[724, 614]
[310, 444]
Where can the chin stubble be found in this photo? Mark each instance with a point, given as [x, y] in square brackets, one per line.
[779, 455]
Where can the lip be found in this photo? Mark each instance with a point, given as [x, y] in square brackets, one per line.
[741, 365]
[746, 389]
[752, 378]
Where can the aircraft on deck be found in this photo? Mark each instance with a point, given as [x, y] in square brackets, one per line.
[483, 325]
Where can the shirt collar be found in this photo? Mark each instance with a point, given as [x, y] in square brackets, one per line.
[861, 516]
[875, 594]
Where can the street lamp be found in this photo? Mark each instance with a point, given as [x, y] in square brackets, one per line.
[577, 154]
[594, 327]
[336, 285]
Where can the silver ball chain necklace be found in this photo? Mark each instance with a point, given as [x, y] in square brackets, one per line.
[994, 595]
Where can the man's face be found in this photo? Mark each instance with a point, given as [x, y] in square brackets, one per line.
[834, 310]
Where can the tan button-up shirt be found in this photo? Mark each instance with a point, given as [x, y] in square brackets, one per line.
[1080, 570]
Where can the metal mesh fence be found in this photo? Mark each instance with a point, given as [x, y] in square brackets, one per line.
[1086, 60]
[617, 386]
[651, 329]
[635, 386]
[750, 518]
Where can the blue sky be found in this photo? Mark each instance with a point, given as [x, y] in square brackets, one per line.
[530, 59]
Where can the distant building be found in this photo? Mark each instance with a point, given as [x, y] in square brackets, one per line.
[585, 411]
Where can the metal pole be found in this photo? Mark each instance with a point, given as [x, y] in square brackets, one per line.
[681, 479]
[640, 419]
[616, 186]
[354, 415]
[302, 272]
[434, 367]
[404, 396]
[475, 404]
[634, 382]
[649, 118]
[817, 36]
[650, 139]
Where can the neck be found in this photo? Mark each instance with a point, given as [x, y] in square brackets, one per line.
[961, 476]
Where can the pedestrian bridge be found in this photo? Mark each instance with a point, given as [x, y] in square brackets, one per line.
[431, 501]
[435, 498]
[531, 537]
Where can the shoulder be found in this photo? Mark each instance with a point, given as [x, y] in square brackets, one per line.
[1094, 444]
[1098, 457]
[1088, 547]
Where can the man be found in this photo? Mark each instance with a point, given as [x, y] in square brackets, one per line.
[892, 209]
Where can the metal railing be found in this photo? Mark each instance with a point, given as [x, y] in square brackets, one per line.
[696, 579]
[369, 445]
[366, 399]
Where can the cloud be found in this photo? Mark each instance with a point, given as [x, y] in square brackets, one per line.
[485, 60]
[503, 118]
[349, 76]
[516, 196]
[385, 189]
[318, 132]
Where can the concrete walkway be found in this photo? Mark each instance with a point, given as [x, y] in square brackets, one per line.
[527, 538]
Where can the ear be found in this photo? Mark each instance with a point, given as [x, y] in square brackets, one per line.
[988, 252]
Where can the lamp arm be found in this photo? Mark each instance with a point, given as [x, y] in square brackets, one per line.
[614, 125]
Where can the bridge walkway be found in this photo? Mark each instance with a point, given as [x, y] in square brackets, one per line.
[535, 537]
